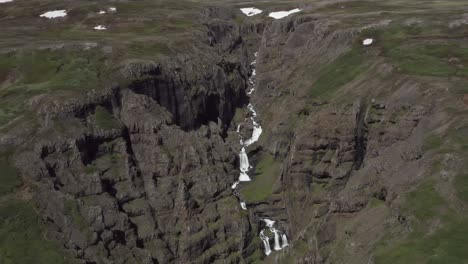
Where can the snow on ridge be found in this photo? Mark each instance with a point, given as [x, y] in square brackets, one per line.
[282, 14]
[5, 1]
[54, 14]
[251, 11]
[367, 41]
[100, 27]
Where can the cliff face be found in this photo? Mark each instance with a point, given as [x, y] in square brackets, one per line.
[141, 172]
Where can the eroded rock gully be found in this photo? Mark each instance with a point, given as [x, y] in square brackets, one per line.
[154, 184]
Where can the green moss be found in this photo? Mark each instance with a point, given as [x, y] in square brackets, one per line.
[267, 172]
[419, 61]
[374, 202]
[22, 238]
[446, 245]
[78, 220]
[338, 73]
[425, 202]
[46, 71]
[104, 119]
[9, 179]
[90, 169]
[461, 186]
[432, 142]
[440, 60]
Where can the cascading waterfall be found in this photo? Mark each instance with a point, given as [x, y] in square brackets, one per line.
[245, 167]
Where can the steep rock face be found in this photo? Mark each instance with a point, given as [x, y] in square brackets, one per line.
[339, 155]
[141, 173]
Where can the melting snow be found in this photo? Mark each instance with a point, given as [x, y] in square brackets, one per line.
[100, 27]
[367, 41]
[112, 9]
[251, 11]
[102, 12]
[54, 14]
[5, 1]
[282, 14]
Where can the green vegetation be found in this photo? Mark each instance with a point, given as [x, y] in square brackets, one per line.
[374, 202]
[432, 60]
[443, 245]
[104, 119]
[22, 239]
[30, 73]
[338, 73]
[73, 211]
[9, 179]
[406, 48]
[267, 172]
[425, 202]
[461, 185]
[446, 245]
[432, 142]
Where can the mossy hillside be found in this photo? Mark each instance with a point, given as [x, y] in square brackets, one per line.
[31, 73]
[104, 119]
[426, 243]
[267, 172]
[9, 178]
[22, 237]
[338, 73]
[408, 49]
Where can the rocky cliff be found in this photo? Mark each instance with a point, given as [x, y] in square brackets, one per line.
[141, 170]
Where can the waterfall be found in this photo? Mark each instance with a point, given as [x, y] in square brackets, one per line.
[285, 241]
[266, 243]
[277, 237]
[243, 205]
[244, 166]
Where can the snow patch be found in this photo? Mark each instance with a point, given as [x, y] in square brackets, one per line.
[282, 14]
[112, 9]
[251, 11]
[5, 1]
[100, 27]
[367, 42]
[54, 14]
[101, 12]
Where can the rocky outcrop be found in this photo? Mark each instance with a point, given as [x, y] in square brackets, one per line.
[141, 172]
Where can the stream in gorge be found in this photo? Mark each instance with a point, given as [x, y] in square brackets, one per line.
[280, 238]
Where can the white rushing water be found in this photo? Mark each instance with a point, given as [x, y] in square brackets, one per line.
[266, 243]
[284, 241]
[280, 240]
[244, 166]
[243, 205]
